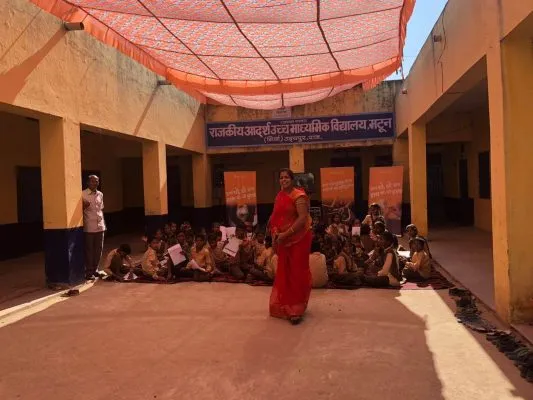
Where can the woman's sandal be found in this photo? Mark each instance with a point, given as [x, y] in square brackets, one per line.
[295, 320]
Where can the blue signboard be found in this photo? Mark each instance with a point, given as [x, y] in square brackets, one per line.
[301, 131]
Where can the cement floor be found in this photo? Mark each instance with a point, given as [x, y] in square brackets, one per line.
[466, 253]
[216, 341]
[23, 280]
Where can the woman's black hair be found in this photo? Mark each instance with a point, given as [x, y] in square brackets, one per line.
[388, 237]
[288, 171]
[365, 229]
[201, 236]
[125, 248]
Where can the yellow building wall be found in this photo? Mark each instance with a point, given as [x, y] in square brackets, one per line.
[48, 70]
[19, 146]
[353, 101]
[442, 66]
[480, 143]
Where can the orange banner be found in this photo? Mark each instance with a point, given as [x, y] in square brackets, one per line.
[241, 197]
[337, 191]
[386, 189]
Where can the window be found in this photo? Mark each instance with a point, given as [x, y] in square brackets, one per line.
[484, 175]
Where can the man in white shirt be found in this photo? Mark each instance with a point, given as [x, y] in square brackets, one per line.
[93, 226]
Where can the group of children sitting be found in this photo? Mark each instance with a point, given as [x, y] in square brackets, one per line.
[369, 257]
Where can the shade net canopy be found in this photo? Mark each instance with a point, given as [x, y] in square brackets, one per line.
[261, 54]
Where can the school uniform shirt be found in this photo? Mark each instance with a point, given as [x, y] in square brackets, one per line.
[93, 215]
[114, 258]
[258, 249]
[422, 264]
[272, 266]
[217, 254]
[319, 270]
[150, 262]
[265, 257]
[202, 258]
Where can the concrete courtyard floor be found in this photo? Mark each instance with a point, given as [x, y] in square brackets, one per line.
[216, 341]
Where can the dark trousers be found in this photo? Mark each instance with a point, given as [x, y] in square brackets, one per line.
[376, 281]
[94, 242]
[260, 274]
[348, 279]
[412, 275]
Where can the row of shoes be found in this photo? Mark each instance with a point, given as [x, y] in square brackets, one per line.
[515, 350]
[468, 314]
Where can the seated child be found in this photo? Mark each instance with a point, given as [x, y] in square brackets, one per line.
[389, 274]
[182, 241]
[376, 258]
[317, 264]
[260, 270]
[337, 227]
[249, 227]
[329, 251]
[358, 252]
[419, 268]
[344, 272]
[189, 239]
[272, 266]
[219, 258]
[118, 262]
[170, 233]
[151, 267]
[186, 226]
[201, 261]
[215, 227]
[366, 240]
[379, 228]
[412, 232]
[259, 245]
[161, 252]
[244, 259]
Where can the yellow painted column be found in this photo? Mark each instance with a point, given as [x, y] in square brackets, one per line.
[62, 200]
[418, 177]
[203, 189]
[400, 156]
[297, 159]
[510, 87]
[155, 184]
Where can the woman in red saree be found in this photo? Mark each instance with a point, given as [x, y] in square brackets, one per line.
[290, 225]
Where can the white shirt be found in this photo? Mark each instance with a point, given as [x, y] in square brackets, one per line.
[93, 216]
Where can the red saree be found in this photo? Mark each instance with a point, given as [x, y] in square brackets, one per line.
[292, 284]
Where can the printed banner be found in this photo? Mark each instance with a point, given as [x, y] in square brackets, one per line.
[337, 190]
[241, 197]
[386, 189]
[306, 130]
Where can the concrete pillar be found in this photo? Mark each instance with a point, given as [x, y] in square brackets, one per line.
[400, 157]
[418, 177]
[203, 189]
[296, 159]
[62, 201]
[155, 185]
[510, 87]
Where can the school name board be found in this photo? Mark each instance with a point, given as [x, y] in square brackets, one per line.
[300, 131]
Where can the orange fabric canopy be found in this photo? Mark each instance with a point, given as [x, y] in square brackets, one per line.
[261, 54]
